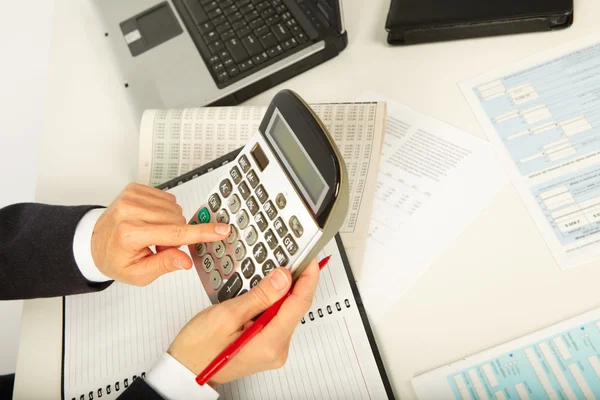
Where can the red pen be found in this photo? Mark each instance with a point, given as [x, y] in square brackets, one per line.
[230, 351]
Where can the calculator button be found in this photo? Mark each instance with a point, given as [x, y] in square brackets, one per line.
[227, 265]
[208, 263]
[270, 210]
[261, 194]
[242, 219]
[239, 251]
[203, 215]
[268, 267]
[244, 164]
[214, 201]
[247, 268]
[261, 221]
[296, 227]
[215, 279]
[231, 288]
[250, 235]
[252, 205]
[244, 190]
[260, 253]
[235, 175]
[232, 235]
[281, 201]
[254, 281]
[280, 227]
[219, 249]
[290, 245]
[223, 217]
[280, 256]
[225, 188]
[234, 203]
[201, 249]
[271, 239]
[253, 179]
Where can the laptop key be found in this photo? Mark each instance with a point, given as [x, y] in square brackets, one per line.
[246, 65]
[211, 5]
[262, 6]
[260, 58]
[229, 10]
[262, 31]
[224, 55]
[214, 60]
[236, 16]
[272, 20]
[247, 8]
[218, 68]
[211, 37]
[206, 27]
[252, 45]
[196, 11]
[222, 77]
[219, 20]
[245, 31]
[228, 35]
[251, 15]
[267, 13]
[239, 24]
[233, 71]
[281, 32]
[241, 3]
[288, 44]
[228, 63]
[224, 27]
[268, 41]
[215, 46]
[272, 52]
[226, 3]
[237, 51]
[257, 24]
[215, 13]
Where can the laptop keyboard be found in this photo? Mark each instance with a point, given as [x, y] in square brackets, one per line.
[239, 36]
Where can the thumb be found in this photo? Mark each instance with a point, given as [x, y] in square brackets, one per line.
[262, 296]
[150, 268]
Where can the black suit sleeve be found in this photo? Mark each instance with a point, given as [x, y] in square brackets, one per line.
[36, 252]
[140, 390]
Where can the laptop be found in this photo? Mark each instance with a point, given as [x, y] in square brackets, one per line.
[191, 53]
[420, 21]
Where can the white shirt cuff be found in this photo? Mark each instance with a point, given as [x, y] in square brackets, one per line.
[173, 381]
[82, 247]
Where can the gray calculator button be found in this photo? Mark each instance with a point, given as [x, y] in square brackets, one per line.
[268, 267]
[235, 175]
[223, 217]
[296, 226]
[290, 245]
[254, 281]
[253, 179]
[214, 201]
[271, 239]
[234, 203]
[231, 288]
[225, 187]
[281, 201]
[239, 251]
[261, 221]
[219, 249]
[261, 194]
[247, 268]
[280, 256]
[280, 227]
[270, 210]
[250, 235]
[244, 190]
[242, 219]
[227, 265]
[215, 279]
[244, 164]
[252, 205]
[260, 253]
[201, 249]
[208, 263]
[232, 235]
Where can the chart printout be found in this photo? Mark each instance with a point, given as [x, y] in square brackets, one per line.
[543, 117]
[559, 362]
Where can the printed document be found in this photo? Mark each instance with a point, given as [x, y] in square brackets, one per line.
[433, 180]
[542, 116]
[560, 362]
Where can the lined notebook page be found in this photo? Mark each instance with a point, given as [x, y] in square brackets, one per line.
[173, 142]
[118, 334]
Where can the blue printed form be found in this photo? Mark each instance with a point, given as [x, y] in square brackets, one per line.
[560, 362]
[543, 118]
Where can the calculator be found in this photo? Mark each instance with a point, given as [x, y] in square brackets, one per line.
[285, 196]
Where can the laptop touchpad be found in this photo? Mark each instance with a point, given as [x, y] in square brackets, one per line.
[150, 28]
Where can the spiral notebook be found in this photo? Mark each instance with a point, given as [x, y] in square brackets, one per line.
[113, 337]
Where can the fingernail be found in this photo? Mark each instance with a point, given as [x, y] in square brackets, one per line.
[279, 279]
[222, 229]
[179, 264]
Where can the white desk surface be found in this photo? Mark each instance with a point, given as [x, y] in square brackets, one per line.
[498, 280]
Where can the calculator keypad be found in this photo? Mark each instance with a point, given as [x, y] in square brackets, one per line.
[265, 234]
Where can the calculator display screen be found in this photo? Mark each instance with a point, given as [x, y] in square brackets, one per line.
[297, 160]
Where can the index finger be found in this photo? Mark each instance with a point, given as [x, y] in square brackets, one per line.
[178, 235]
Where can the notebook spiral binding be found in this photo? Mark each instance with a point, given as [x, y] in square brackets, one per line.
[109, 388]
[321, 314]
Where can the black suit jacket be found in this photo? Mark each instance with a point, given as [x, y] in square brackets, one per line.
[36, 260]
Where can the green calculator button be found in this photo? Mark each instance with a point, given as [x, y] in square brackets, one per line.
[203, 216]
